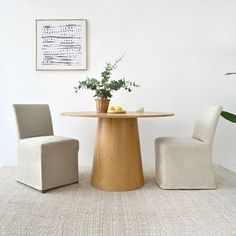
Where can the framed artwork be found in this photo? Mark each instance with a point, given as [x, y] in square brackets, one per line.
[61, 44]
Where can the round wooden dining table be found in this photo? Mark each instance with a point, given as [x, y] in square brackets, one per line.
[117, 163]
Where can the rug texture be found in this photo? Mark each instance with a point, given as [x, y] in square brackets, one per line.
[80, 209]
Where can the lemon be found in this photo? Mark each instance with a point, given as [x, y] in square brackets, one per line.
[119, 108]
[112, 108]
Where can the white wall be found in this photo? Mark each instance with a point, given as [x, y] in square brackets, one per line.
[178, 51]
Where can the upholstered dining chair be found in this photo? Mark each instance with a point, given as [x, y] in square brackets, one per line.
[44, 161]
[186, 163]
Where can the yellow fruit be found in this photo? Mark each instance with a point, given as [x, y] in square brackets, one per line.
[112, 108]
[119, 108]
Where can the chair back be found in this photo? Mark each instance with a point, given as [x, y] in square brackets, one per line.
[33, 120]
[205, 126]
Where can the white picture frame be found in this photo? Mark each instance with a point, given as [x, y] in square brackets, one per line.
[61, 44]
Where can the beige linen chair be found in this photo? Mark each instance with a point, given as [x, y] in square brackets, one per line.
[44, 161]
[186, 163]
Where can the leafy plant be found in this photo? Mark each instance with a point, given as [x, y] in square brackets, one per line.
[103, 88]
[229, 116]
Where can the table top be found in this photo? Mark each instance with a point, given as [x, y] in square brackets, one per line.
[91, 114]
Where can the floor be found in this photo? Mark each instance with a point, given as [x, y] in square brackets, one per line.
[80, 209]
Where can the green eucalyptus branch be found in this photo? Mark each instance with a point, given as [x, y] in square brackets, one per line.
[104, 88]
[92, 84]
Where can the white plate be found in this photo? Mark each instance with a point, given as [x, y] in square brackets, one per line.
[116, 112]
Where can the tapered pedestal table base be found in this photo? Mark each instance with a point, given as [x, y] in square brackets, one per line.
[117, 164]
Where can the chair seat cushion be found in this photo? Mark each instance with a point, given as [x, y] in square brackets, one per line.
[177, 141]
[176, 146]
[46, 140]
[46, 162]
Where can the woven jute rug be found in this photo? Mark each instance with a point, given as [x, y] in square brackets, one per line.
[80, 209]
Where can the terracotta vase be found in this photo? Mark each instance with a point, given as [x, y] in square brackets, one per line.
[102, 105]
